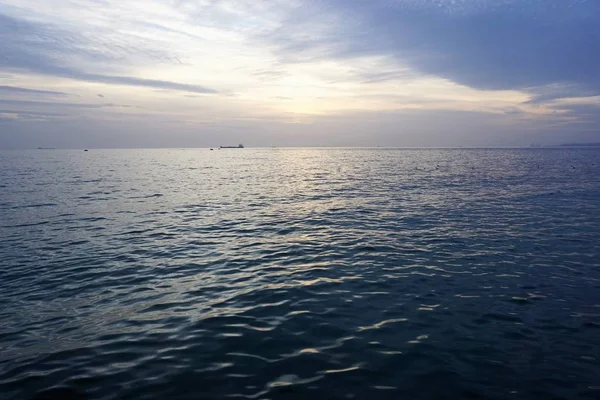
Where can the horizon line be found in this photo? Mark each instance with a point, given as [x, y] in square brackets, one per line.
[582, 145]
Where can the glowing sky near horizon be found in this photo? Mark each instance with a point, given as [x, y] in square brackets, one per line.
[102, 73]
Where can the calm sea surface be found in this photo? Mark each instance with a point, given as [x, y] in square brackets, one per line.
[300, 273]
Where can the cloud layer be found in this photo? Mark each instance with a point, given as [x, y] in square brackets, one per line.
[491, 45]
[317, 69]
[44, 49]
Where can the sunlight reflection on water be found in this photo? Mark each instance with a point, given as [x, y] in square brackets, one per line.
[300, 272]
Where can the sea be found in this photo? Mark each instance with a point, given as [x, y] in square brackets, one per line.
[301, 273]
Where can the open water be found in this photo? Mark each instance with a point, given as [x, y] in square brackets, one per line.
[300, 273]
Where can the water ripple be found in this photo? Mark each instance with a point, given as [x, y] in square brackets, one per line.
[333, 273]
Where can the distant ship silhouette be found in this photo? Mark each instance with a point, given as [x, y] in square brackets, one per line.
[239, 146]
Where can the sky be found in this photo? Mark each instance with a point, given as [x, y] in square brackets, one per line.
[204, 73]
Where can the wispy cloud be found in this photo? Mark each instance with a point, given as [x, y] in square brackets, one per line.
[45, 49]
[53, 105]
[131, 81]
[29, 116]
[552, 92]
[20, 90]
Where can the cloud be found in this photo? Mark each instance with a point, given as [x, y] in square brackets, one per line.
[588, 114]
[131, 81]
[513, 111]
[45, 49]
[550, 93]
[28, 112]
[503, 45]
[28, 115]
[10, 102]
[20, 90]
[331, 72]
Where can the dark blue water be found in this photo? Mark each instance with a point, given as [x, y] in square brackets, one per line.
[304, 273]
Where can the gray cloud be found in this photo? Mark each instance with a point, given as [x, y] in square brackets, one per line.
[513, 111]
[131, 81]
[20, 103]
[42, 49]
[589, 113]
[38, 113]
[29, 116]
[398, 128]
[560, 91]
[524, 45]
[20, 90]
